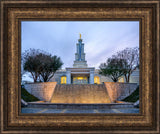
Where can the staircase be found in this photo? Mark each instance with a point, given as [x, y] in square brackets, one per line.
[86, 94]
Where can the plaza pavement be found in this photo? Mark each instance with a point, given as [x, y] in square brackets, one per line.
[49, 110]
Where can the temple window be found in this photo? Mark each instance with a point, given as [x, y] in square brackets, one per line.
[96, 80]
[63, 80]
[121, 79]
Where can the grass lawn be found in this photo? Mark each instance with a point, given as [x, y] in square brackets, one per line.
[27, 96]
[133, 97]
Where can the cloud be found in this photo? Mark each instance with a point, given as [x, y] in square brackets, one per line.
[102, 38]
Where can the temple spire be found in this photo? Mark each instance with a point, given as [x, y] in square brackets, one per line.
[80, 35]
[80, 55]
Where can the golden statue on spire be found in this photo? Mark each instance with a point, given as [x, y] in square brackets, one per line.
[79, 35]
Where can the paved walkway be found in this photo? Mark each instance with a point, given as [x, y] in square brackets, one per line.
[47, 110]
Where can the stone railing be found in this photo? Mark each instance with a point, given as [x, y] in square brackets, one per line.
[42, 91]
[119, 91]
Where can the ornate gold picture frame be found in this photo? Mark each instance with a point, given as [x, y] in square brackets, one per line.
[13, 12]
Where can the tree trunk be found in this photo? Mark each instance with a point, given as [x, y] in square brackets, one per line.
[115, 80]
[128, 77]
[125, 77]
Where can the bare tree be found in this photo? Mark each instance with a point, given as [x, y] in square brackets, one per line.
[31, 63]
[22, 69]
[131, 57]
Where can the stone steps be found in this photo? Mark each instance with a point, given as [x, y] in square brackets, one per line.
[86, 93]
[79, 106]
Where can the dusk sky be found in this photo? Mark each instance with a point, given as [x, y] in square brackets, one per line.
[102, 39]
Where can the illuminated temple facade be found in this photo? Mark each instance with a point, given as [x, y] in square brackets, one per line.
[80, 73]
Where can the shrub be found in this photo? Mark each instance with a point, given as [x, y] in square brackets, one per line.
[133, 97]
[27, 96]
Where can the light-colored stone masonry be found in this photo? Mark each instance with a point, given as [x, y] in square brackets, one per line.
[119, 91]
[78, 94]
[43, 91]
[116, 91]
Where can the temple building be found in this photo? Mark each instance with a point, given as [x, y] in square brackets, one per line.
[80, 73]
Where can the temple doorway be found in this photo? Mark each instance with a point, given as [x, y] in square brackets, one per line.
[80, 80]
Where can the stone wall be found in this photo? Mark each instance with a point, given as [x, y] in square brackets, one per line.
[119, 91]
[116, 91]
[43, 90]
